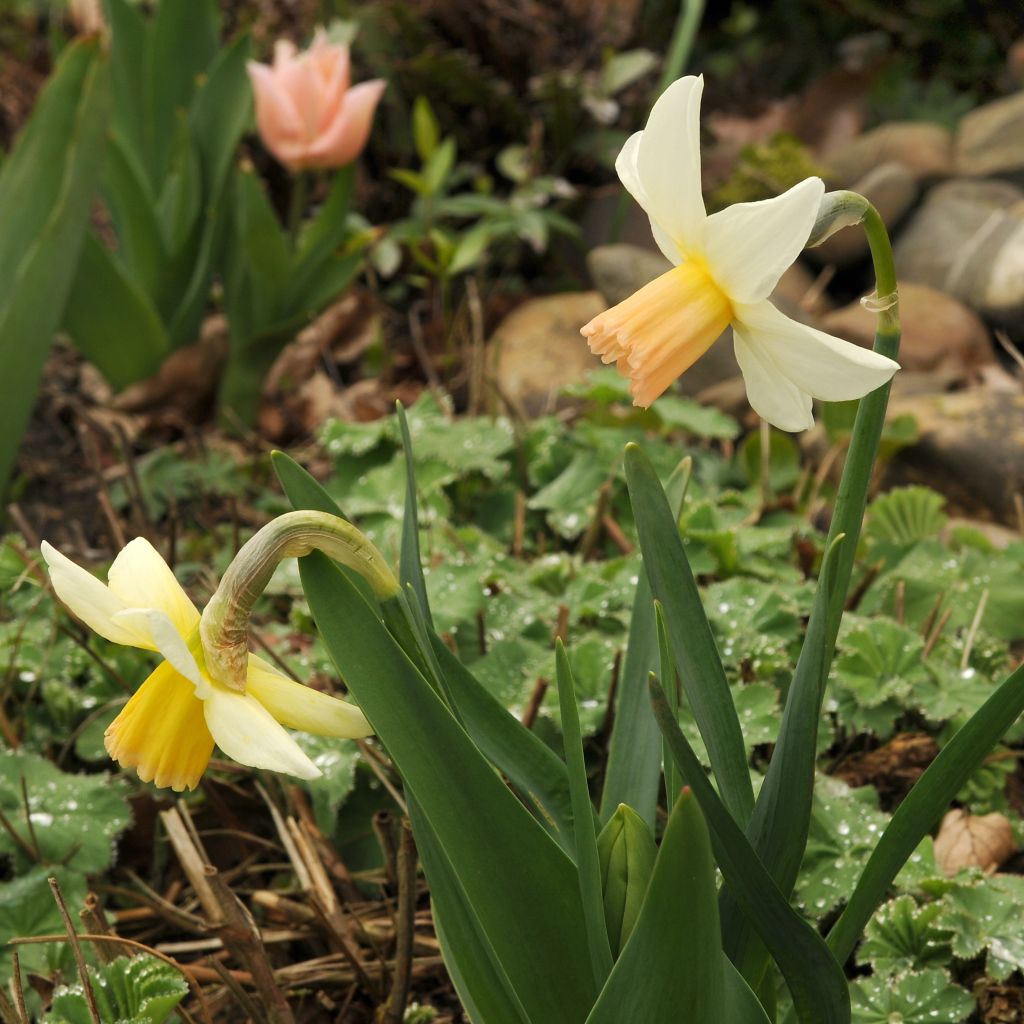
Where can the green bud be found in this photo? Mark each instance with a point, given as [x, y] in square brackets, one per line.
[626, 851]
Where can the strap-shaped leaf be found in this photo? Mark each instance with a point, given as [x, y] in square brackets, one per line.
[779, 825]
[925, 804]
[633, 772]
[528, 762]
[693, 645]
[46, 189]
[522, 887]
[483, 987]
[411, 564]
[815, 979]
[587, 862]
[111, 320]
[672, 968]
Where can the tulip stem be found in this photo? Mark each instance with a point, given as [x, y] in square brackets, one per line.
[298, 199]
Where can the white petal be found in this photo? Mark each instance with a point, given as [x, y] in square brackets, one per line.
[302, 707]
[772, 396]
[823, 366]
[165, 638]
[626, 169]
[142, 579]
[750, 245]
[91, 601]
[668, 165]
[629, 175]
[247, 732]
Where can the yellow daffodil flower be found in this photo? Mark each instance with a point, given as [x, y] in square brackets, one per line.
[724, 268]
[168, 728]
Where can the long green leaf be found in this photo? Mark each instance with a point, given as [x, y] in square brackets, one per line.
[787, 792]
[526, 760]
[815, 979]
[181, 40]
[111, 321]
[221, 113]
[634, 748]
[693, 645]
[672, 968]
[521, 885]
[667, 675]
[141, 250]
[483, 987]
[46, 189]
[128, 32]
[925, 804]
[411, 563]
[587, 861]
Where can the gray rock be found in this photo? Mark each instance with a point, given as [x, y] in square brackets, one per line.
[940, 333]
[619, 270]
[925, 149]
[971, 448]
[537, 350]
[968, 241]
[990, 141]
[893, 189]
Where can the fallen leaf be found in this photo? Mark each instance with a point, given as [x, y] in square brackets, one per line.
[973, 841]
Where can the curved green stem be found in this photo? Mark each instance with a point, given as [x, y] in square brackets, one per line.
[224, 626]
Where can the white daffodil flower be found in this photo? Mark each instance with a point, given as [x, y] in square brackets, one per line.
[724, 268]
[168, 728]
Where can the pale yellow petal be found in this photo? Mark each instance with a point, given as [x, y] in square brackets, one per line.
[749, 246]
[92, 602]
[247, 732]
[166, 639]
[302, 707]
[142, 579]
[161, 732]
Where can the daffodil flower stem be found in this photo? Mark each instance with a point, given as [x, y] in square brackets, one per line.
[851, 500]
[781, 838]
[224, 627]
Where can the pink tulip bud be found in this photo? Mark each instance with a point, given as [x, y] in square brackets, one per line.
[307, 113]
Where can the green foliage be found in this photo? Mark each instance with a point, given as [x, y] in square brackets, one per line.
[905, 516]
[928, 997]
[46, 190]
[70, 819]
[27, 908]
[903, 937]
[984, 918]
[139, 990]
[181, 104]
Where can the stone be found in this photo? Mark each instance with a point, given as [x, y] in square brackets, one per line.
[970, 448]
[940, 334]
[924, 148]
[537, 350]
[966, 240]
[990, 141]
[892, 188]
